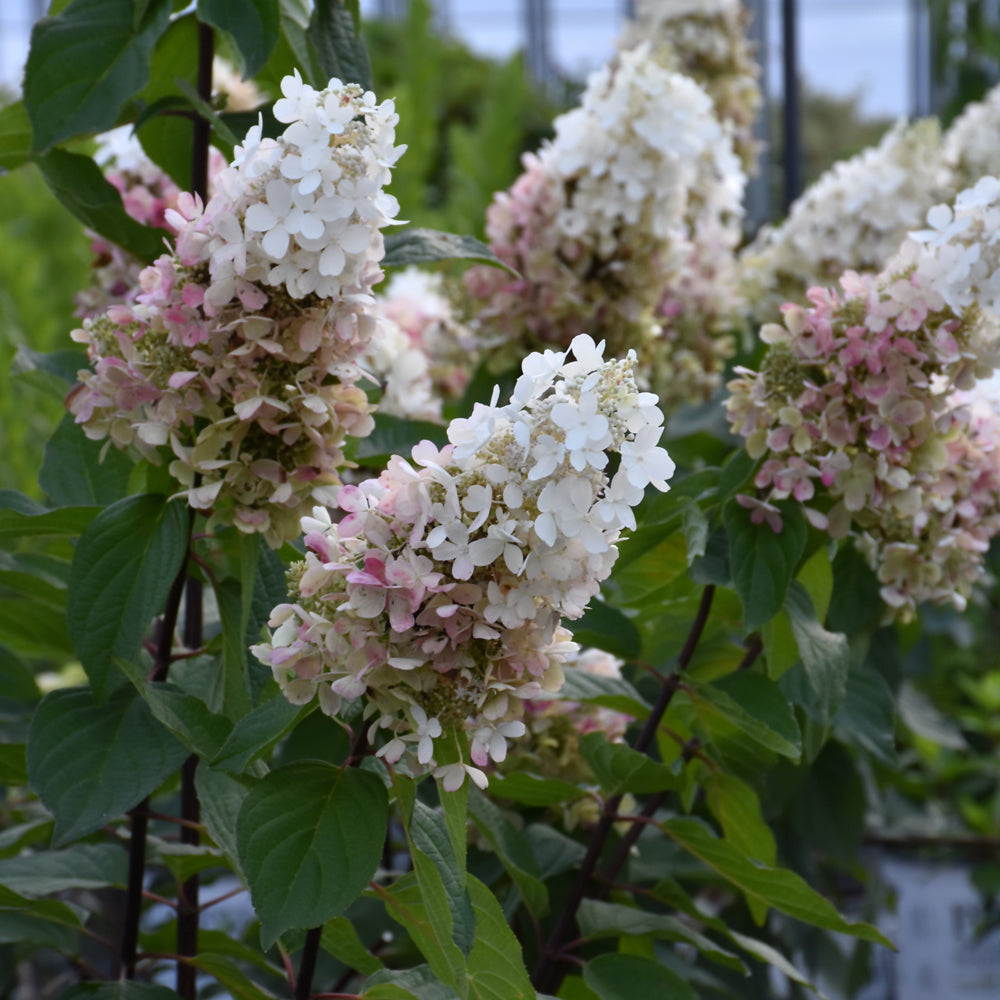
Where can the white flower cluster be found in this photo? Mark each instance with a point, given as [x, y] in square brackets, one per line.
[641, 148]
[959, 257]
[972, 143]
[438, 597]
[614, 223]
[853, 218]
[707, 41]
[303, 211]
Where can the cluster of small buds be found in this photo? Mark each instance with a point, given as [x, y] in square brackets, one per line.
[240, 350]
[438, 595]
[707, 41]
[853, 410]
[414, 302]
[852, 219]
[603, 219]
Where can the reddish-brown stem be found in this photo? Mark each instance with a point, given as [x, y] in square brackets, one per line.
[546, 976]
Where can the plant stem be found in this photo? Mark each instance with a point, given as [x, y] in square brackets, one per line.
[188, 909]
[307, 965]
[202, 127]
[138, 823]
[547, 976]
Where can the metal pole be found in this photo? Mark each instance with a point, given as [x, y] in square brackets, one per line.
[758, 202]
[791, 114]
[536, 30]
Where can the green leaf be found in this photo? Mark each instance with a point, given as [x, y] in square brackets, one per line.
[75, 473]
[737, 808]
[826, 656]
[816, 575]
[766, 953]
[513, 850]
[777, 887]
[695, 528]
[15, 136]
[22, 517]
[185, 715]
[235, 600]
[417, 983]
[763, 562]
[257, 732]
[755, 705]
[518, 786]
[183, 860]
[396, 436]
[423, 246]
[167, 138]
[336, 47]
[309, 838]
[408, 904]
[45, 922]
[924, 719]
[80, 186]
[598, 920]
[91, 762]
[496, 966]
[620, 769]
[123, 569]
[33, 626]
[441, 879]
[611, 692]
[225, 971]
[632, 977]
[49, 369]
[82, 866]
[867, 715]
[86, 63]
[855, 604]
[13, 765]
[221, 797]
[605, 627]
[252, 24]
[340, 939]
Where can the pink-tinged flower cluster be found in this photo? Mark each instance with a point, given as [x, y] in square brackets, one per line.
[239, 351]
[852, 219]
[438, 594]
[604, 221]
[550, 747]
[147, 193]
[854, 415]
[425, 354]
[707, 41]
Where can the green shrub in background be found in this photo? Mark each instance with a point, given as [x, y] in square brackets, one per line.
[44, 260]
[465, 119]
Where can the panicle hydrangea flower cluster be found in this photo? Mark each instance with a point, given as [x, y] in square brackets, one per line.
[427, 353]
[603, 219]
[438, 595]
[239, 350]
[971, 145]
[854, 415]
[853, 218]
[147, 193]
[707, 41]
